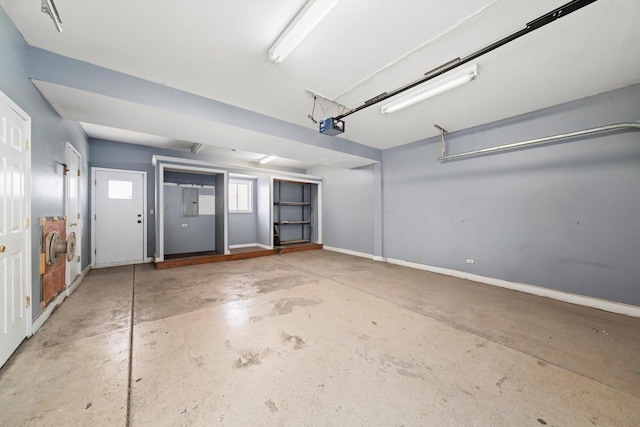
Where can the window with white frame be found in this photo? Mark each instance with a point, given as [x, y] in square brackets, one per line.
[240, 196]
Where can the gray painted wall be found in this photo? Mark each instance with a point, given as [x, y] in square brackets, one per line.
[116, 155]
[50, 67]
[243, 227]
[221, 206]
[48, 135]
[198, 236]
[563, 216]
[348, 207]
[264, 209]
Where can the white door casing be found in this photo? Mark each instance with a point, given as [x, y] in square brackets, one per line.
[119, 217]
[15, 236]
[72, 209]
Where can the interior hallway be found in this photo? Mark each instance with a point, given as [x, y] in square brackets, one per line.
[319, 338]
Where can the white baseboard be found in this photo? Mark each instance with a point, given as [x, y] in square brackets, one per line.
[74, 285]
[44, 315]
[349, 252]
[600, 304]
[611, 306]
[145, 260]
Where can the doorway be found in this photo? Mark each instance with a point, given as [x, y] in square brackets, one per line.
[15, 234]
[119, 205]
[218, 198]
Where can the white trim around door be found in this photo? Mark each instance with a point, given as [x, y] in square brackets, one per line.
[159, 190]
[143, 216]
[23, 301]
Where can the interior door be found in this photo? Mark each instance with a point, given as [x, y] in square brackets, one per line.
[13, 252]
[119, 217]
[72, 210]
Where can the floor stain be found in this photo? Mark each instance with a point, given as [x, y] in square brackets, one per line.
[227, 343]
[285, 306]
[541, 363]
[297, 342]
[199, 361]
[272, 406]
[501, 381]
[407, 373]
[283, 282]
[250, 358]
[88, 405]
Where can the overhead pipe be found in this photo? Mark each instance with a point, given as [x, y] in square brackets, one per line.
[538, 141]
[543, 20]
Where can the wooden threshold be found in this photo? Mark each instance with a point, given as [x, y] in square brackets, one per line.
[206, 259]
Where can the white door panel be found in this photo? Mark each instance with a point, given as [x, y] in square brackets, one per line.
[13, 236]
[119, 217]
[72, 211]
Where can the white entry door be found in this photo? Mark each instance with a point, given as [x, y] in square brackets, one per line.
[14, 207]
[72, 211]
[119, 218]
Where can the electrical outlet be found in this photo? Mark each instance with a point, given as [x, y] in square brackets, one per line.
[471, 261]
[185, 225]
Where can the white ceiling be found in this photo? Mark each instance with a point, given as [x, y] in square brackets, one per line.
[218, 49]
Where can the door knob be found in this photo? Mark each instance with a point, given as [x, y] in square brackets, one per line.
[73, 224]
[2, 249]
[139, 221]
[139, 215]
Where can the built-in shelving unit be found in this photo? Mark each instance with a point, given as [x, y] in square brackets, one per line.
[292, 212]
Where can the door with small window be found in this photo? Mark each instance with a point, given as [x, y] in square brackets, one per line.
[119, 217]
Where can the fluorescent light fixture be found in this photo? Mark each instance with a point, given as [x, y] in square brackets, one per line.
[49, 7]
[433, 89]
[267, 159]
[307, 18]
[195, 148]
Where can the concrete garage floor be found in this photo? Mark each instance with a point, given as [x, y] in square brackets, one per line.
[319, 338]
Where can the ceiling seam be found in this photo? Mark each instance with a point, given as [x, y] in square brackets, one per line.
[412, 51]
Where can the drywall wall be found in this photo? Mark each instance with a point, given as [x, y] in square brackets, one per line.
[264, 211]
[49, 133]
[348, 208]
[187, 233]
[50, 67]
[243, 226]
[562, 216]
[117, 155]
[221, 219]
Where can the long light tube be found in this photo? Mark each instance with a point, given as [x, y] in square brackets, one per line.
[267, 159]
[309, 16]
[428, 91]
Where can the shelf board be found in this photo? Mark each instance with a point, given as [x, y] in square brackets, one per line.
[293, 242]
[292, 203]
[292, 222]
